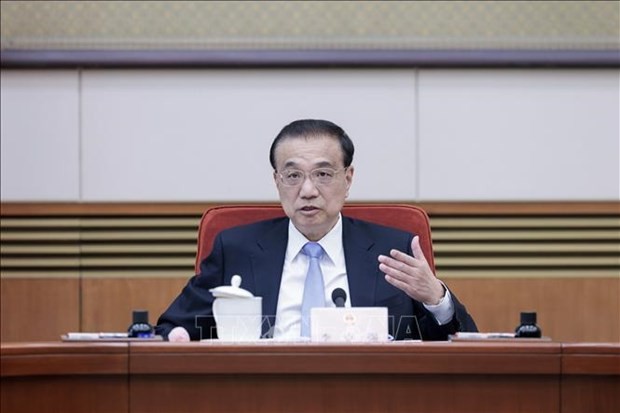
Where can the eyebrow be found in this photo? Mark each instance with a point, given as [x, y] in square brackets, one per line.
[322, 164]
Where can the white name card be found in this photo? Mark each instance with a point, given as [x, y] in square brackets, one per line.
[349, 324]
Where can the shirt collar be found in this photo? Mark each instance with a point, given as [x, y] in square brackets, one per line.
[331, 242]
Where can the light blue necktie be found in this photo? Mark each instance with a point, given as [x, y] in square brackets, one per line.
[314, 289]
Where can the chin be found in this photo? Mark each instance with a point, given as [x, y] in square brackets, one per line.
[309, 226]
[310, 222]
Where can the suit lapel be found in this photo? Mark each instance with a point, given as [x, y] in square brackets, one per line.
[267, 264]
[362, 265]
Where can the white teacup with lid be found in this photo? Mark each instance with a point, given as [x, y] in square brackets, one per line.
[238, 314]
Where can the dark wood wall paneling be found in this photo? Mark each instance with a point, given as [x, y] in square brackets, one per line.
[72, 266]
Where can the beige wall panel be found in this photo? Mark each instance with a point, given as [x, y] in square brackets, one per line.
[39, 150]
[569, 309]
[204, 135]
[39, 309]
[107, 303]
[519, 134]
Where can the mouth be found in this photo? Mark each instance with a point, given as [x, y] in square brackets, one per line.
[308, 209]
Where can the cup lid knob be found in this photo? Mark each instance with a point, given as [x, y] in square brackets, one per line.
[233, 290]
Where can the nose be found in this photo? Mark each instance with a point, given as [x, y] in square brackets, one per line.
[308, 189]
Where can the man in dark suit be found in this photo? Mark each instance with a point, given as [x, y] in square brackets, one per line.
[375, 265]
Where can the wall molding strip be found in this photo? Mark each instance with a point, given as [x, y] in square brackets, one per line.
[329, 58]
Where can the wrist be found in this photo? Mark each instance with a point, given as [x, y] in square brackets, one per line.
[438, 298]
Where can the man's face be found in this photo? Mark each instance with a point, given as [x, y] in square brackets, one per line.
[312, 206]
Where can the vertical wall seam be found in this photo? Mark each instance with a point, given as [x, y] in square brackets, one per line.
[80, 198]
[416, 128]
[80, 136]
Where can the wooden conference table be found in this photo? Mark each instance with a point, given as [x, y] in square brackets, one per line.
[528, 376]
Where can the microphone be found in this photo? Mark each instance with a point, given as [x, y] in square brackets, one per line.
[339, 297]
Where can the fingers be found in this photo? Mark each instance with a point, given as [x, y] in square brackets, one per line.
[396, 271]
[398, 261]
[411, 274]
[401, 267]
[400, 256]
[398, 283]
[416, 248]
[405, 278]
[400, 264]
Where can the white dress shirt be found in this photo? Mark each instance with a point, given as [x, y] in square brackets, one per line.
[333, 267]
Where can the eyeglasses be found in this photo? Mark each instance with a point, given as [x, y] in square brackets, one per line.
[319, 176]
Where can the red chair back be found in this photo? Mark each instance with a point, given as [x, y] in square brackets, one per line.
[405, 217]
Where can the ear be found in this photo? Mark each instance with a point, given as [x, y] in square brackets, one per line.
[349, 176]
[276, 179]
